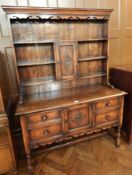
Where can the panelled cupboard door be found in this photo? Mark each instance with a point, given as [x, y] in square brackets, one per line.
[67, 58]
[6, 160]
[79, 118]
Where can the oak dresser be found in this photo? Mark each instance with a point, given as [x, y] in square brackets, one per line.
[61, 60]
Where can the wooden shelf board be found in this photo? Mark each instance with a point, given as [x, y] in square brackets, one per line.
[93, 40]
[34, 63]
[93, 75]
[52, 41]
[92, 58]
[34, 42]
[37, 81]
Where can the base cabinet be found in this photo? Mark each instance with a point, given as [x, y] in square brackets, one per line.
[54, 126]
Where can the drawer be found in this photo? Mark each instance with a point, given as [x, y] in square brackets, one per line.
[107, 103]
[105, 118]
[43, 116]
[46, 132]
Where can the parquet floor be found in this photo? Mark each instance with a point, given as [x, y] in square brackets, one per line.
[95, 157]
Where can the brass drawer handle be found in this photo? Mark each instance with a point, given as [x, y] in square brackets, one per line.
[46, 133]
[44, 117]
[107, 117]
[107, 104]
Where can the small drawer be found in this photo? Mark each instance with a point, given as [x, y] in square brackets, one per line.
[45, 132]
[43, 116]
[107, 103]
[107, 117]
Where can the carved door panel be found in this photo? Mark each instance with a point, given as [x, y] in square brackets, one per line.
[68, 60]
[79, 119]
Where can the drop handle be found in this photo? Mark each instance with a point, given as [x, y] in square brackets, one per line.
[46, 133]
[44, 117]
[107, 117]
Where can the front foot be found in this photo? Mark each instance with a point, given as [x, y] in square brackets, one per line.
[30, 171]
[29, 165]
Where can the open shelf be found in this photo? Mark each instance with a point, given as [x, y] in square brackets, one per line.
[34, 74]
[92, 58]
[35, 62]
[92, 50]
[36, 81]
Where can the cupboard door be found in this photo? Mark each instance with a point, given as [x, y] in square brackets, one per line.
[6, 160]
[4, 140]
[79, 118]
[68, 60]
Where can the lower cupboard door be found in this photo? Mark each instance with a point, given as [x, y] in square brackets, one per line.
[6, 160]
[79, 119]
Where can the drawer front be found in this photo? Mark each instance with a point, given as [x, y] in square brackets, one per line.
[46, 132]
[79, 117]
[105, 118]
[109, 103]
[44, 116]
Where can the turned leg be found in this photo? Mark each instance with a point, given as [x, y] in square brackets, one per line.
[29, 165]
[118, 139]
[26, 140]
